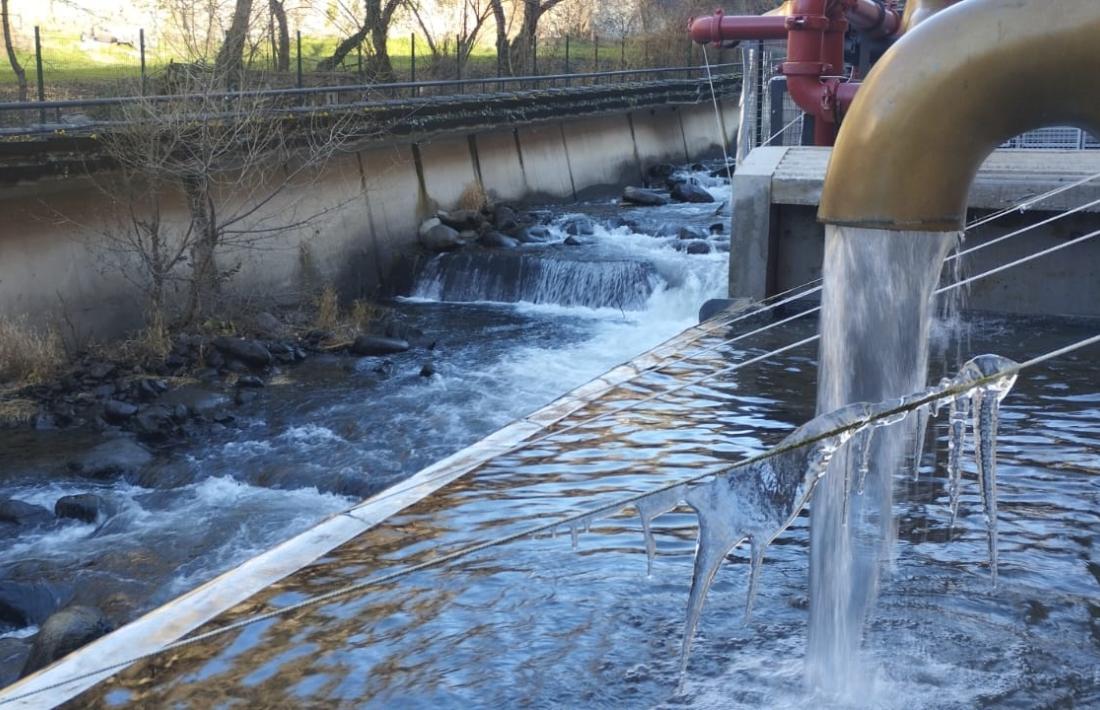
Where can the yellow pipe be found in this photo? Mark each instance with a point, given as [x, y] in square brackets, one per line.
[947, 94]
[917, 11]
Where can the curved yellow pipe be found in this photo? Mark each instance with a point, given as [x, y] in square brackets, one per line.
[917, 11]
[947, 94]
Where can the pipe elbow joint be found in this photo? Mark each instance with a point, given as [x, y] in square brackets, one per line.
[946, 95]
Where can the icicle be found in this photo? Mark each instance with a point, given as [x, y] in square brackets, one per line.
[923, 413]
[651, 507]
[865, 441]
[984, 408]
[957, 419]
[573, 535]
[757, 502]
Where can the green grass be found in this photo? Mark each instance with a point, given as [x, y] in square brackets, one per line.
[74, 68]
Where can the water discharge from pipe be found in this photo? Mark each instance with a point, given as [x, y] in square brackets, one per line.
[876, 311]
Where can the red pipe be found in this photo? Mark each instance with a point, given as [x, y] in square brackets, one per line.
[875, 19]
[718, 28]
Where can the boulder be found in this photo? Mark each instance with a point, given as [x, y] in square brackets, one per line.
[658, 173]
[572, 241]
[436, 236]
[690, 192]
[579, 226]
[504, 218]
[87, 507]
[268, 326]
[368, 345]
[689, 232]
[117, 412]
[250, 352]
[641, 196]
[114, 457]
[694, 247]
[533, 235]
[496, 240]
[460, 220]
[64, 632]
[17, 512]
[155, 423]
[428, 369]
[718, 228]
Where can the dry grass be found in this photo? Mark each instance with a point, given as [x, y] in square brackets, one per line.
[344, 325]
[16, 412]
[28, 355]
[328, 310]
[473, 198]
[149, 345]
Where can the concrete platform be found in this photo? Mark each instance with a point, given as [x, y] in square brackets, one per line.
[778, 244]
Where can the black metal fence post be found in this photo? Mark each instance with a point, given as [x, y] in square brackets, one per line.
[458, 60]
[298, 37]
[534, 56]
[567, 71]
[38, 69]
[141, 50]
[412, 66]
[622, 53]
[596, 55]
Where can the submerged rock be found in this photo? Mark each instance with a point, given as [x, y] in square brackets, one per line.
[689, 232]
[17, 512]
[572, 241]
[690, 192]
[428, 369]
[496, 240]
[641, 196]
[116, 412]
[579, 226]
[63, 633]
[114, 457]
[504, 218]
[460, 220]
[368, 345]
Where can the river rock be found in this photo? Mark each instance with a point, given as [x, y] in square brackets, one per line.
[658, 173]
[533, 235]
[496, 240]
[641, 196]
[579, 226]
[696, 247]
[101, 370]
[155, 423]
[504, 218]
[114, 457]
[13, 654]
[690, 192]
[572, 241]
[460, 220]
[436, 236]
[268, 326]
[689, 232]
[250, 352]
[718, 228]
[368, 345]
[117, 412]
[87, 507]
[17, 512]
[64, 632]
[428, 369]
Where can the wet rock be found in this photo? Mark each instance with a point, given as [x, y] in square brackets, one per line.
[436, 236]
[689, 232]
[718, 228]
[154, 423]
[63, 633]
[637, 674]
[86, 507]
[460, 220]
[504, 218]
[428, 369]
[658, 173]
[690, 192]
[667, 230]
[17, 512]
[117, 412]
[368, 345]
[533, 235]
[148, 389]
[194, 398]
[572, 241]
[579, 226]
[44, 422]
[104, 391]
[101, 370]
[641, 196]
[250, 381]
[250, 352]
[693, 247]
[171, 474]
[13, 654]
[722, 247]
[114, 457]
[496, 240]
[268, 326]
[620, 221]
[245, 396]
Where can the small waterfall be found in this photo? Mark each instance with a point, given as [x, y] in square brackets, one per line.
[876, 308]
[510, 277]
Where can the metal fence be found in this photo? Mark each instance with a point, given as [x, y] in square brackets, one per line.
[770, 116]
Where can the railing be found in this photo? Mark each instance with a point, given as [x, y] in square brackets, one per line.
[76, 115]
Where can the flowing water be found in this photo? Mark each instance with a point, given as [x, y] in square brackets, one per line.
[514, 330]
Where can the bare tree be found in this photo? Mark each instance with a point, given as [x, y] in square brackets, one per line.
[282, 35]
[520, 51]
[378, 16]
[9, 45]
[468, 15]
[230, 59]
[234, 158]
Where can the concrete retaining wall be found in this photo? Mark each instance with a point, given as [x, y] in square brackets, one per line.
[55, 262]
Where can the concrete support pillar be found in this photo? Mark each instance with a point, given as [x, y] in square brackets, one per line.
[753, 248]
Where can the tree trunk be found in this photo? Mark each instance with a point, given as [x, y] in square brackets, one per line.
[20, 73]
[282, 36]
[502, 37]
[380, 61]
[230, 59]
[204, 264]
